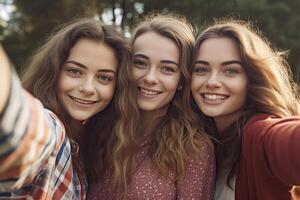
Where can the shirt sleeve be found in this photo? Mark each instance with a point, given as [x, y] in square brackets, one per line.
[29, 134]
[279, 138]
[282, 149]
[199, 177]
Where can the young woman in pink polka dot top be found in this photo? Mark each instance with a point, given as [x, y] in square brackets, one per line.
[168, 157]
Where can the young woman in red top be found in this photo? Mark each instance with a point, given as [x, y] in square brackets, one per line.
[245, 91]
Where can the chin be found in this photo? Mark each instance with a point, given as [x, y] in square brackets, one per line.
[80, 118]
[211, 114]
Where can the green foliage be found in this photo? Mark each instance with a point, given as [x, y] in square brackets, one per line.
[33, 20]
[279, 21]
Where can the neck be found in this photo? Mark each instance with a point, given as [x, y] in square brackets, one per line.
[149, 120]
[223, 122]
[75, 129]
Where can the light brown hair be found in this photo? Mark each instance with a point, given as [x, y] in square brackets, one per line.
[178, 136]
[270, 86]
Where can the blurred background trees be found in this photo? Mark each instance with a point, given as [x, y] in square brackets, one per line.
[31, 21]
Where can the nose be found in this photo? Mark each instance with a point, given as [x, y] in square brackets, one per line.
[213, 81]
[151, 76]
[87, 87]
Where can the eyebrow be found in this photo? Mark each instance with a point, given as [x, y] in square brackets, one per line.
[232, 62]
[201, 62]
[141, 55]
[224, 63]
[162, 61]
[170, 62]
[85, 67]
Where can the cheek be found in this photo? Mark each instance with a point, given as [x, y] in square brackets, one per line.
[106, 92]
[243, 96]
[241, 87]
[66, 83]
[196, 83]
[241, 91]
[137, 74]
[62, 85]
[171, 82]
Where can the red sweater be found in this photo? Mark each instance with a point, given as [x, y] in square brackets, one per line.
[270, 159]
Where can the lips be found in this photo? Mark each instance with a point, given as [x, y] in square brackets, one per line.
[82, 101]
[214, 96]
[148, 92]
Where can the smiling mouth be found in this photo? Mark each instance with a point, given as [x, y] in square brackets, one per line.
[82, 101]
[148, 92]
[214, 96]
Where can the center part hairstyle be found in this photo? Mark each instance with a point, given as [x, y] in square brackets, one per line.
[41, 75]
[270, 86]
[41, 78]
[177, 136]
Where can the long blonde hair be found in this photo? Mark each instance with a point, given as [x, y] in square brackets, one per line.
[270, 86]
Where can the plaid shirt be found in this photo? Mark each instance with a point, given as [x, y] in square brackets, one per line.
[36, 161]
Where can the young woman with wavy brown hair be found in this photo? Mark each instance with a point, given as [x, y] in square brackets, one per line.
[81, 74]
[245, 90]
[170, 157]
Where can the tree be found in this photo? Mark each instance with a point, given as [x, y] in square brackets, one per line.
[34, 20]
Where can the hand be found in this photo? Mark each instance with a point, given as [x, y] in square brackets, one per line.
[4, 78]
[296, 193]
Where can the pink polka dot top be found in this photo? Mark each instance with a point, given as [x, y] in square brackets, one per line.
[147, 183]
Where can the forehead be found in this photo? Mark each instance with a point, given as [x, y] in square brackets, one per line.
[219, 49]
[156, 46]
[92, 53]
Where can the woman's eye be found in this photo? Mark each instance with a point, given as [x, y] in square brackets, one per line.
[168, 69]
[73, 71]
[200, 70]
[139, 63]
[105, 78]
[231, 71]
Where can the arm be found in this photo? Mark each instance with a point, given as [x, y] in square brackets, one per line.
[29, 134]
[4, 78]
[282, 148]
[198, 180]
[276, 142]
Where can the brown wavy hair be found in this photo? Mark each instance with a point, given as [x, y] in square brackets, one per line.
[41, 78]
[178, 135]
[270, 86]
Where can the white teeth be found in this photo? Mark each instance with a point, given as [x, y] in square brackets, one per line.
[149, 92]
[214, 96]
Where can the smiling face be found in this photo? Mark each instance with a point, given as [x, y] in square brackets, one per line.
[87, 79]
[219, 81]
[156, 71]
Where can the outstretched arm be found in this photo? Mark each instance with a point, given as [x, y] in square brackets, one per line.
[4, 78]
[281, 146]
[29, 134]
[275, 141]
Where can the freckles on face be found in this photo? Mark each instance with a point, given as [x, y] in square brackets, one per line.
[156, 71]
[219, 82]
[87, 79]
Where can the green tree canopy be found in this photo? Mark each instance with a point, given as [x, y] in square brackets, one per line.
[33, 20]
